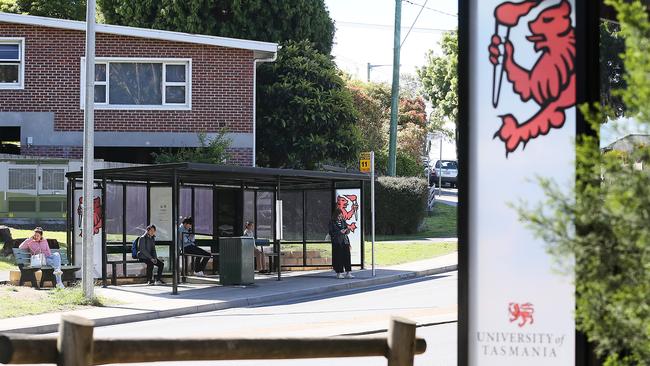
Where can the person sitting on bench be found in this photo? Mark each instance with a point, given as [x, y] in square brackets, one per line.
[147, 254]
[37, 244]
[189, 246]
[249, 231]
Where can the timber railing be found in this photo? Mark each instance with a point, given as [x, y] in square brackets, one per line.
[75, 346]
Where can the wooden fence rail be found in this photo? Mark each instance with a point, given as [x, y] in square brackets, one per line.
[75, 346]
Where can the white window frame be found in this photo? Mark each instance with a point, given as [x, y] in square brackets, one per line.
[24, 167]
[39, 173]
[21, 59]
[187, 106]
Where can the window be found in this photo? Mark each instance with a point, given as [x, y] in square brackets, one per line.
[22, 179]
[53, 179]
[11, 63]
[141, 84]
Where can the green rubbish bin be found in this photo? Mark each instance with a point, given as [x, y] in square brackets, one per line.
[236, 266]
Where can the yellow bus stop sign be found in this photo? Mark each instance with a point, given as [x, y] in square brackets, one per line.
[364, 162]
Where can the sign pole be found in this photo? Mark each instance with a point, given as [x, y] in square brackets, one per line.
[372, 208]
[88, 156]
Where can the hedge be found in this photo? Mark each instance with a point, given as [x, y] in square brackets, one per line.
[401, 204]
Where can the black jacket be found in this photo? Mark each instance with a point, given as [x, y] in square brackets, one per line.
[338, 238]
[147, 247]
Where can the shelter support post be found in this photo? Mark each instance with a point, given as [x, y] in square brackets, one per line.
[173, 255]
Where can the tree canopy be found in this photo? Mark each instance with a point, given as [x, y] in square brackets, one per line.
[261, 20]
[63, 9]
[306, 114]
[439, 79]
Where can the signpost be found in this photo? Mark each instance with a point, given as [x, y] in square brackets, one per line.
[514, 307]
[367, 165]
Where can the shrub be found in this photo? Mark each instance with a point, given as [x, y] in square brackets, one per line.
[400, 205]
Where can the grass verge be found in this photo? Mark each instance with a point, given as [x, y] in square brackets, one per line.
[19, 301]
[6, 264]
[390, 254]
[443, 223]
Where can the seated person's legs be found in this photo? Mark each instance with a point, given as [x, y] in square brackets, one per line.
[160, 264]
[54, 260]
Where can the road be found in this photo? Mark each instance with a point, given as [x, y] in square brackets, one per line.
[428, 301]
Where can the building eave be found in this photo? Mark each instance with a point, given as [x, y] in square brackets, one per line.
[261, 49]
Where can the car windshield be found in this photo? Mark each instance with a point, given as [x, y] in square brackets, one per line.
[447, 164]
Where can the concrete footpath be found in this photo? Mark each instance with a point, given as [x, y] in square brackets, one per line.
[142, 302]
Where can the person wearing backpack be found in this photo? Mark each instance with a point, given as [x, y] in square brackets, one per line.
[146, 245]
[189, 246]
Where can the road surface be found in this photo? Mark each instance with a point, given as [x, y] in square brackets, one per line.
[428, 301]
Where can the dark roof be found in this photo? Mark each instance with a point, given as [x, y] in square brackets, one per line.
[200, 173]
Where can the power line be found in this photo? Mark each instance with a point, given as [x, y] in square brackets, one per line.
[432, 9]
[372, 25]
[413, 25]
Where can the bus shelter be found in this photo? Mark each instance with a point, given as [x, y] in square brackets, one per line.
[290, 208]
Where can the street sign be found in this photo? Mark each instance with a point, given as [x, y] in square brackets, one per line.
[364, 162]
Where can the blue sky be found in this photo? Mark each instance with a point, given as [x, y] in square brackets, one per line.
[365, 33]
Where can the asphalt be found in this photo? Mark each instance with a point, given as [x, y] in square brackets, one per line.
[141, 302]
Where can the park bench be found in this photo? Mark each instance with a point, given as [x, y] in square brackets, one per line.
[189, 259]
[28, 273]
[126, 254]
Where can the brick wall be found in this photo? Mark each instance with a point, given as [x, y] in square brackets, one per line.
[222, 83]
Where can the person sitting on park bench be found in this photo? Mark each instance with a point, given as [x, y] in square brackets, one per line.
[249, 231]
[147, 254]
[189, 246]
[37, 244]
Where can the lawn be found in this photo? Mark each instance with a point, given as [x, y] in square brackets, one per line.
[388, 254]
[442, 223]
[6, 264]
[20, 301]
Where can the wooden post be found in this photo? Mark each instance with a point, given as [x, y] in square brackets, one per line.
[75, 343]
[401, 342]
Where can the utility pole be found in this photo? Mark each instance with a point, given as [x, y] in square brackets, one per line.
[87, 279]
[392, 147]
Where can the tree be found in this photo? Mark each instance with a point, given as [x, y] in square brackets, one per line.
[439, 79]
[372, 119]
[9, 6]
[211, 150]
[305, 111]
[372, 101]
[262, 20]
[599, 231]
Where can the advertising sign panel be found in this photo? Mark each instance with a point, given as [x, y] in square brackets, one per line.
[349, 201]
[521, 90]
[161, 212]
[98, 226]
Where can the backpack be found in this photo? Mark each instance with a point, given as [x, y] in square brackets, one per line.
[134, 248]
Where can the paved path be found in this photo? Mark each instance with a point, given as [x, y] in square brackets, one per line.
[142, 302]
[448, 197]
[427, 300]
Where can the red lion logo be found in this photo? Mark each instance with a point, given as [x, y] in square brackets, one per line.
[551, 83]
[98, 220]
[342, 203]
[524, 312]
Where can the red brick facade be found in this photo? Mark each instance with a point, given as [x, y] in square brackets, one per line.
[222, 82]
[221, 89]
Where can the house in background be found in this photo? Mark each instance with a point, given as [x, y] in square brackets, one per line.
[153, 89]
[33, 189]
[627, 144]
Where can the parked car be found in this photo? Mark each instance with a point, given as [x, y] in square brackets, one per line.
[445, 169]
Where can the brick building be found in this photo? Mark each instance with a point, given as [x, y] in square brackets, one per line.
[153, 89]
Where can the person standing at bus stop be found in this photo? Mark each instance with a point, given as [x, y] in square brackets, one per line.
[341, 256]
